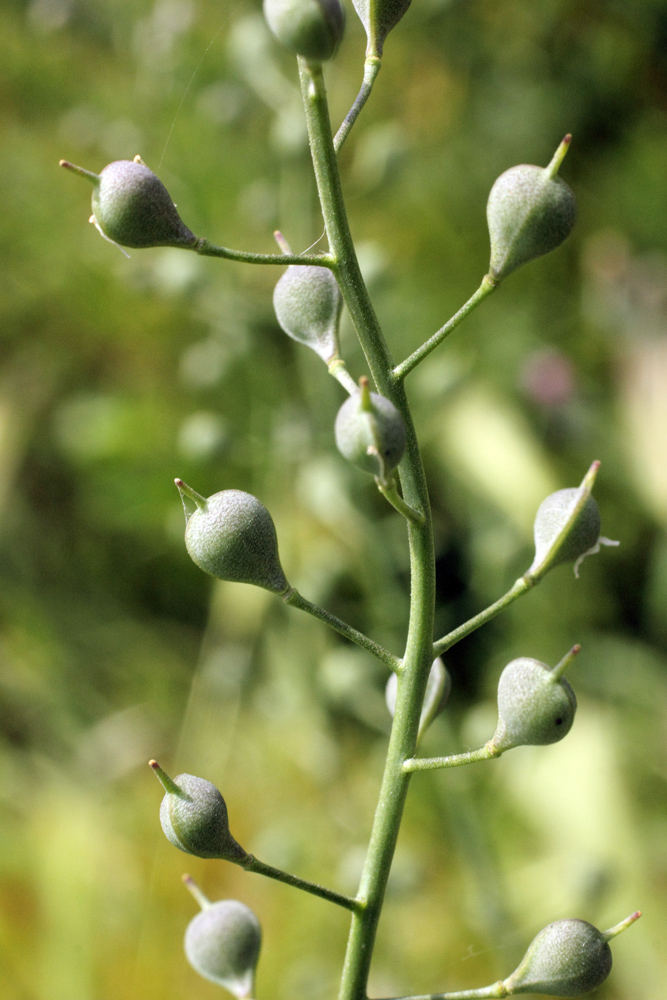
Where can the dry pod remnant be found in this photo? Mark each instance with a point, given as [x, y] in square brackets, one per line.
[231, 535]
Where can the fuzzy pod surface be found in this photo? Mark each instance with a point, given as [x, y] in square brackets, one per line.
[231, 536]
[534, 707]
[553, 517]
[378, 18]
[194, 819]
[567, 958]
[132, 207]
[529, 214]
[309, 28]
[370, 433]
[222, 944]
[308, 303]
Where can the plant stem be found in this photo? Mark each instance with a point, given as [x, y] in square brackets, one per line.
[521, 586]
[341, 374]
[253, 864]
[418, 654]
[397, 501]
[486, 752]
[488, 285]
[371, 70]
[295, 600]
[495, 990]
[207, 249]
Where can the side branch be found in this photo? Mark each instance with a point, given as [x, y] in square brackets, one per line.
[521, 586]
[488, 285]
[207, 249]
[496, 990]
[295, 600]
[371, 70]
[253, 864]
[487, 752]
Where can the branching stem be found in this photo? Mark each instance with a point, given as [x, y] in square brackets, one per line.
[520, 587]
[497, 990]
[371, 70]
[207, 249]
[487, 752]
[295, 600]
[253, 864]
[488, 285]
[418, 653]
[389, 491]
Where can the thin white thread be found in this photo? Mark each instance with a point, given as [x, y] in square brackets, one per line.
[192, 78]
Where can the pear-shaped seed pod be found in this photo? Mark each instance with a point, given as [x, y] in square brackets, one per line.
[132, 207]
[535, 705]
[309, 28]
[555, 513]
[530, 212]
[567, 527]
[231, 536]
[378, 18]
[193, 816]
[308, 303]
[222, 944]
[370, 432]
[566, 959]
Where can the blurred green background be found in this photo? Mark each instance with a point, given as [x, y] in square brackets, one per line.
[118, 375]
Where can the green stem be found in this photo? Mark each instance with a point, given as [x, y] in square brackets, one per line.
[521, 586]
[253, 864]
[295, 600]
[488, 285]
[207, 249]
[371, 70]
[487, 752]
[495, 990]
[418, 654]
[341, 374]
[397, 501]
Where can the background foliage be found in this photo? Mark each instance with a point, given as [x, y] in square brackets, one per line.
[118, 375]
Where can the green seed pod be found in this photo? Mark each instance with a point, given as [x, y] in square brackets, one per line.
[536, 705]
[193, 815]
[566, 959]
[309, 28]
[222, 942]
[231, 536]
[530, 212]
[132, 207]
[567, 527]
[308, 303]
[370, 432]
[378, 18]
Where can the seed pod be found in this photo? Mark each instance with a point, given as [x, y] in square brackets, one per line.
[566, 959]
[222, 942]
[567, 527]
[370, 432]
[378, 18]
[231, 536]
[309, 28]
[132, 207]
[193, 815]
[536, 705]
[436, 696]
[530, 212]
[308, 303]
